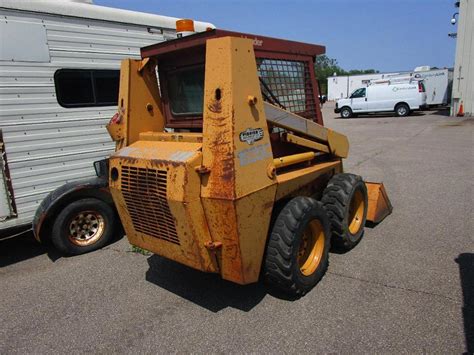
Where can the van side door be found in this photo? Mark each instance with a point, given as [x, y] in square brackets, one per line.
[359, 100]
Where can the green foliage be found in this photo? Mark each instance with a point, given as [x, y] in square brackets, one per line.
[139, 250]
[326, 67]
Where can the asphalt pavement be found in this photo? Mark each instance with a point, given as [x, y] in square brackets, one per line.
[407, 287]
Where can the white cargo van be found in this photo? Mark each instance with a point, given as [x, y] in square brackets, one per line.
[400, 97]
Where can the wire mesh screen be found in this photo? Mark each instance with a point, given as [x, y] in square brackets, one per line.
[287, 84]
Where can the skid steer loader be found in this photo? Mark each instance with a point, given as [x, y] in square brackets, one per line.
[223, 164]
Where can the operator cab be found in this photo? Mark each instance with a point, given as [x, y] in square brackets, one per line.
[285, 68]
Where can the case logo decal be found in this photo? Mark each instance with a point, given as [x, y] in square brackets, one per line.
[251, 135]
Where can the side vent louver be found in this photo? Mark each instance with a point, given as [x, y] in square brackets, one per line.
[144, 191]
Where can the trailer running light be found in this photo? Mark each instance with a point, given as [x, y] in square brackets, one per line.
[184, 27]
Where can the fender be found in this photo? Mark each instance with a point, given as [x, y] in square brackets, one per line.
[56, 200]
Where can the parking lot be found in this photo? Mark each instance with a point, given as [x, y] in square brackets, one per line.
[407, 287]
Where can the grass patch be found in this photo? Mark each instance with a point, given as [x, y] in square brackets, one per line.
[139, 250]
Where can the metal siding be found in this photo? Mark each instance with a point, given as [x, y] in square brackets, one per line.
[463, 80]
[48, 145]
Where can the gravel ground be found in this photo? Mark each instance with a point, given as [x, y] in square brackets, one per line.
[407, 287]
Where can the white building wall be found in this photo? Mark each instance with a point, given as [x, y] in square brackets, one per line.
[463, 81]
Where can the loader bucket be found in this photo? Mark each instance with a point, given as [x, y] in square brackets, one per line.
[379, 204]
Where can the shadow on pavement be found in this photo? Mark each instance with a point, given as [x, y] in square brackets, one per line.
[440, 111]
[24, 247]
[206, 290]
[466, 271]
[383, 115]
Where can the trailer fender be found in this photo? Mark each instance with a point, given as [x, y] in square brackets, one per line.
[57, 199]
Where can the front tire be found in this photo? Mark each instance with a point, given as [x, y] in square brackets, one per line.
[346, 112]
[345, 200]
[298, 249]
[83, 226]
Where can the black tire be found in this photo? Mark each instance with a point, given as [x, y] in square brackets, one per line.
[288, 267]
[342, 199]
[97, 215]
[402, 110]
[346, 112]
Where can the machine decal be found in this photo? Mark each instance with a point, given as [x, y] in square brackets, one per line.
[254, 154]
[251, 135]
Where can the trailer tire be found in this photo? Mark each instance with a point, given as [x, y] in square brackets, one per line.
[83, 226]
[402, 110]
[345, 200]
[346, 112]
[297, 252]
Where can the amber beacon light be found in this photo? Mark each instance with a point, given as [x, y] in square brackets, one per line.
[184, 27]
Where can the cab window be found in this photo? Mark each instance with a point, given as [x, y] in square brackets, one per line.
[358, 93]
[186, 91]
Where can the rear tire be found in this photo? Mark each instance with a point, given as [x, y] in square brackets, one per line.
[298, 248]
[346, 112]
[402, 110]
[345, 200]
[83, 226]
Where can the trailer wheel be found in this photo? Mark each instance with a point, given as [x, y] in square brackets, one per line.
[345, 200]
[346, 112]
[298, 248]
[82, 226]
[402, 110]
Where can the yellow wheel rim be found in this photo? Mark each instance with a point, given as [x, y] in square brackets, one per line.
[356, 212]
[86, 228]
[311, 248]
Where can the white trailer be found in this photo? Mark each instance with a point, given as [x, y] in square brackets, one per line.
[59, 73]
[340, 87]
[436, 81]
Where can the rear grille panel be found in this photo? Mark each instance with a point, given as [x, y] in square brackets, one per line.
[144, 191]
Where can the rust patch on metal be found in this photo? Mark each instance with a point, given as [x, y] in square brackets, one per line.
[129, 160]
[213, 245]
[215, 106]
[162, 163]
[222, 167]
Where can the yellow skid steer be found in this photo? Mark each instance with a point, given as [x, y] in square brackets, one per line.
[223, 163]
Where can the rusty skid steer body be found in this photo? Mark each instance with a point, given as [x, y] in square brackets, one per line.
[223, 164]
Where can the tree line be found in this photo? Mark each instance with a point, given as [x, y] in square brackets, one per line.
[326, 67]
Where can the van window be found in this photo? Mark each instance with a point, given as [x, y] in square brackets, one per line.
[358, 93]
[86, 87]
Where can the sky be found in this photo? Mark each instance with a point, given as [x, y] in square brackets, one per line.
[385, 35]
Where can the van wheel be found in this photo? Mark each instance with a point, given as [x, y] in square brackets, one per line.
[298, 248]
[346, 112]
[346, 202]
[402, 110]
[83, 226]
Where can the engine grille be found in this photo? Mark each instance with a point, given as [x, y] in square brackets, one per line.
[144, 191]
